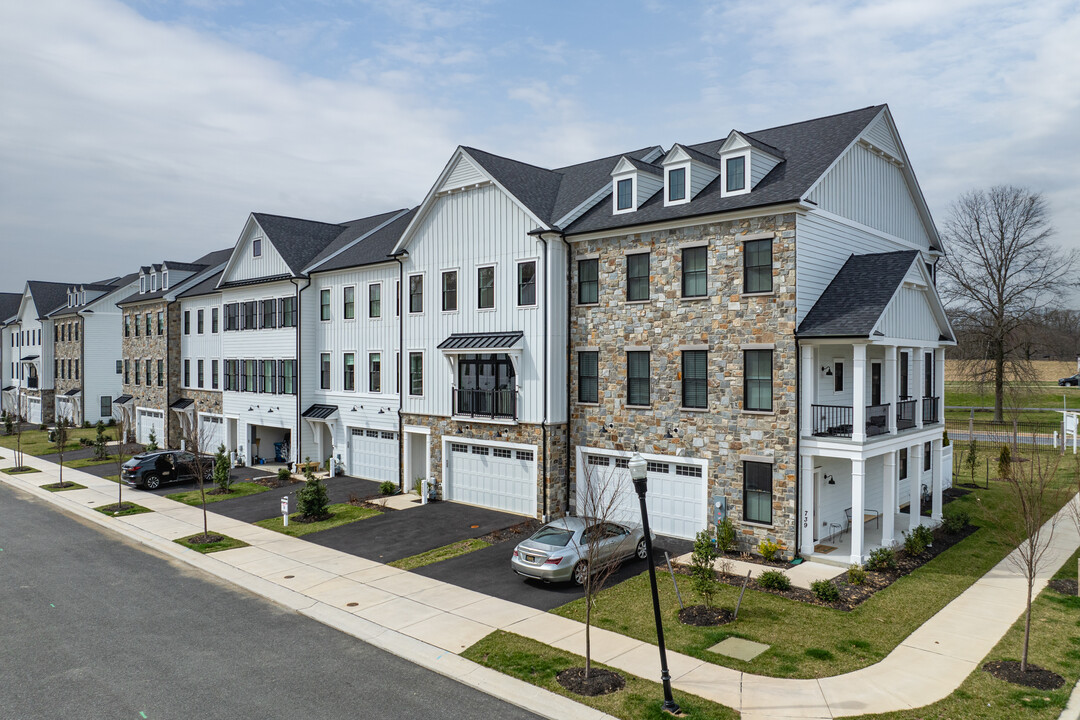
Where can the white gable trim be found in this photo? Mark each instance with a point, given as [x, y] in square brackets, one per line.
[433, 193]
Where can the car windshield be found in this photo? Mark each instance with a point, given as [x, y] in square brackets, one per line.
[549, 535]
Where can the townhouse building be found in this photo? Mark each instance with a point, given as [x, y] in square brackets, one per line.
[33, 390]
[86, 339]
[9, 306]
[196, 405]
[150, 330]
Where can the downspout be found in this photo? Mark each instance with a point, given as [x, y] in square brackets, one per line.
[544, 420]
[401, 379]
[82, 358]
[569, 448]
[298, 443]
[798, 454]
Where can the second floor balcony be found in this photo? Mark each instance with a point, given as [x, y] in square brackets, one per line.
[493, 404]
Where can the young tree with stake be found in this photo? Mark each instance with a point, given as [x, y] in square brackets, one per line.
[123, 428]
[60, 439]
[197, 440]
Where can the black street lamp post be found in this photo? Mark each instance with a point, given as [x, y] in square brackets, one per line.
[638, 470]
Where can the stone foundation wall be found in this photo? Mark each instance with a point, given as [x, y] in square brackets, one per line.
[724, 322]
[525, 434]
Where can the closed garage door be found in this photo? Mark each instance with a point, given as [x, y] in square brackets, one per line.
[373, 454]
[147, 420]
[675, 499]
[211, 432]
[33, 410]
[493, 476]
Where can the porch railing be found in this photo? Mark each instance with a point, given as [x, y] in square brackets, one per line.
[500, 404]
[832, 420]
[877, 419]
[930, 410]
[905, 414]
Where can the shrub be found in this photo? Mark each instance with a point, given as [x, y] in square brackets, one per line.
[112, 422]
[1004, 467]
[151, 446]
[86, 424]
[43, 426]
[726, 536]
[222, 474]
[312, 500]
[100, 451]
[702, 573]
[954, 518]
[916, 541]
[387, 488]
[774, 580]
[768, 550]
[882, 559]
[283, 475]
[9, 426]
[945, 438]
[856, 575]
[825, 591]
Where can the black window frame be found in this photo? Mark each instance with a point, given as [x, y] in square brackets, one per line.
[324, 371]
[902, 463]
[348, 371]
[637, 284]
[416, 294]
[838, 376]
[449, 294]
[200, 322]
[375, 372]
[695, 379]
[757, 277]
[482, 287]
[679, 173]
[928, 462]
[638, 384]
[757, 381]
[348, 302]
[288, 311]
[729, 176]
[588, 376]
[756, 477]
[416, 375]
[587, 284]
[696, 276]
[256, 247]
[214, 327]
[375, 300]
[160, 373]
[268, 313]
[628, 197]
[324, 304]
[526, 286]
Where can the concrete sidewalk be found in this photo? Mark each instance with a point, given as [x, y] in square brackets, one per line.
[430, 622]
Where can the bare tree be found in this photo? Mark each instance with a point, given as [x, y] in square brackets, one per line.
[1000, 273]
[197, 440]
[1037, 496]
[597, 500]
[60, 439]
[123, 430]
[19, 459]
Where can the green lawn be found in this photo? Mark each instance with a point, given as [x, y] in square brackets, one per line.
[112, 478]
[23, 471]
[194, 497]
[68, 485]
[1034, 395]
[537, 663]
[810, 641]
[89, 462]
[130, 508]
[1055, 645]
[36, 442]
[226, 543]
[340, 514]
[440, 553]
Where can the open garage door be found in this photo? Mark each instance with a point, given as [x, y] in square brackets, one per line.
[491, 475]
[373, 455]
[676, 498]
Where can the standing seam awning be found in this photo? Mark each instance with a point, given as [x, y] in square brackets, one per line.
[123, 399]
[73, 392]
[319, 412]
[9, 388]
[482, 341]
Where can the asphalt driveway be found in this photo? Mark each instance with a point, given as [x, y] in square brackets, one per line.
[402, 533]
[488, 571]
[252, 508]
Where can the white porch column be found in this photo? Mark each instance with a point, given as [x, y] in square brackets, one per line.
[858, 395]
[939, 381]
[807, 522]
[915, 384]
[806, 389]
[891, 394]
[935, 487]
[889, 503]
[858, 495]
[914, 473]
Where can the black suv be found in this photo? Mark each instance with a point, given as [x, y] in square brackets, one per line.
[150, 470]
[1071, 380]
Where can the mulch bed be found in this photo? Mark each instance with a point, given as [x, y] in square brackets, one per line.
[272, 482]
[1035, 677]
[117, 507]
[59, 486]
[371, 502]
[204, 539]
[515, 532]
[703, 616]
[851, 596]
[1064, 586]
[311, 518]
[599, 682]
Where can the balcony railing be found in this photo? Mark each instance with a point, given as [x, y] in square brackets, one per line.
[32, 383]
[930, 410]
[500, 404]
[838, 420]
[905, 414]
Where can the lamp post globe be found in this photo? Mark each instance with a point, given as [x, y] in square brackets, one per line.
[638, 473]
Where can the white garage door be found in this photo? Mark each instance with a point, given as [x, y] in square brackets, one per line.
[675, 498]
[211, 432]
[147, 420]
[373, 454]
[33, 410]
[492, 476]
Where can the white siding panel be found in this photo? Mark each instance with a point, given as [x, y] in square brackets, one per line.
[207, 346]
[881, 135]
[909, 316]
[870, 190]
[465, 173]
[101, 349]
[244, 266]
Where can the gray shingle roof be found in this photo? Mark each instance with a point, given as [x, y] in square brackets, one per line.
[808, 149]
[352, 231]
[373, 249]
[113, 287]
[207, 286]
[9, 305]
[48, 296]
[296, 240]
[857, 296]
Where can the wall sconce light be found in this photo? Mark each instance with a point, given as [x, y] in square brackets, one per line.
[458, 432]
[498, 433]
[671, 433]
[830, 480]
[826, 370]
[354, 408]
[251, 409]
[381, 411]
[270, 410]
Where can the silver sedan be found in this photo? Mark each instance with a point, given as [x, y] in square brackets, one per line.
[559, 551]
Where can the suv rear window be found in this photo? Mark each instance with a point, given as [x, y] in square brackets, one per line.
[559, 537]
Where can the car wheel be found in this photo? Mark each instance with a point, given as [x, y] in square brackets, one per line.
[581, 572]
[642, 552]
[151, 482]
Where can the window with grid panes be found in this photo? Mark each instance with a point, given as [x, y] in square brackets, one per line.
[588, 281]
[757, 266]
[588, 376]
[637, 277]
[485, 287]
[757, 384]
[374, 300]
[526, 283]
[695, 392]
[324, 371]
[637, 378]
[449, 291]
[374, 372]
[348, 302]
[348, 367]
[324, 305]
[416, 293]
[694, 275]
[757, 492]
[416, 373]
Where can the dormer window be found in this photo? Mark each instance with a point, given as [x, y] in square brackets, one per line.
[153, 283]
[676, 184]
[735, 173]
[165, 280]
[142, 284]
[256, 247]
[626, 194]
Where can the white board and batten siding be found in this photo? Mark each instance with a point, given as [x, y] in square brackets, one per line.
[205, 346]
[881, 135]
[464, 231]
[245, 266]
[909, 316]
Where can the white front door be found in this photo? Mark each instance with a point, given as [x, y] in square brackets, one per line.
[491, 475]
[147, 421]
[373, 455]
[676, 496]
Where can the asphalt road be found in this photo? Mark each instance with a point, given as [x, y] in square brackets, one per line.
[96, 627]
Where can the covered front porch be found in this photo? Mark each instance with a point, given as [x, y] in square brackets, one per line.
[836, 549]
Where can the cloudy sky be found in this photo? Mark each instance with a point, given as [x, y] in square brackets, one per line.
[140, 131]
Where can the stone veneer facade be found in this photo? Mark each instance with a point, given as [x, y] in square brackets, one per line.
[154, 347]
[724, 321]
[206, 401]
[525, 434]
[66, 350]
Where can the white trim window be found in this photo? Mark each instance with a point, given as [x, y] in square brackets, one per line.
[416, 294]
[449, 290]
[676, 185]
[375, 301]
[324, 371]
[324, 304]
[256, 247]
[736, 174]
[348, 367]
[375, 372]
[416, 374]
[348, 302]
[624, 193]
[526, 283]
